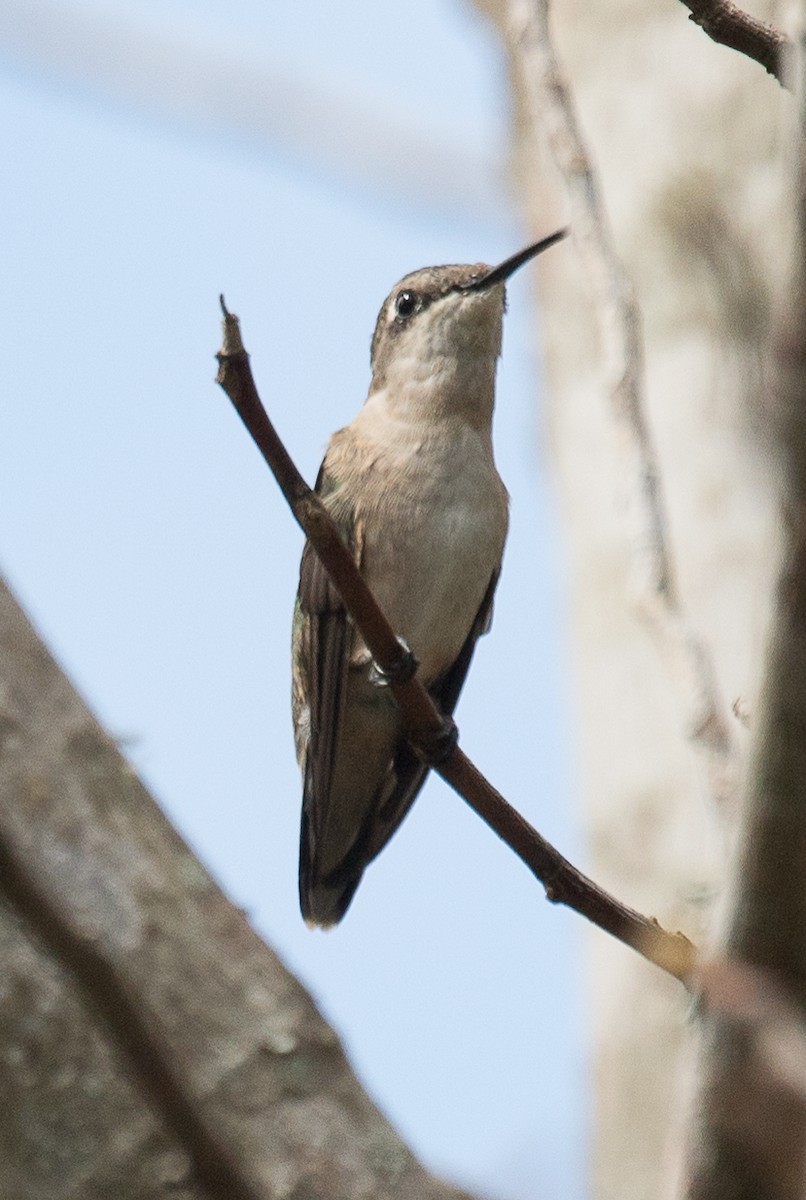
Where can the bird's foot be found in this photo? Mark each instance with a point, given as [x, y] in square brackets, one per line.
[436, 746]
[404, 669]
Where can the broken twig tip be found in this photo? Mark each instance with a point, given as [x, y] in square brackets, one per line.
[232, 331]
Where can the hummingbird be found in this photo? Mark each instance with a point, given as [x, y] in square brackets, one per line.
[413, 487]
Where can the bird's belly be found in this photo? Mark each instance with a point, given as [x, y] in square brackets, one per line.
[431, 575]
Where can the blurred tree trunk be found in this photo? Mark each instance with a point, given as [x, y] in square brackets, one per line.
[150, 1044]
[683, 135]
[747, 1127]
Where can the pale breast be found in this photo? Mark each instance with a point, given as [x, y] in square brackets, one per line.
[433, 513]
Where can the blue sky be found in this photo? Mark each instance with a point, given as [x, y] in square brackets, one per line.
[336, 148]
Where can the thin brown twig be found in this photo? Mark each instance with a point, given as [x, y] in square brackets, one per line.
[726, 23]
[563, 883]
[550, 110]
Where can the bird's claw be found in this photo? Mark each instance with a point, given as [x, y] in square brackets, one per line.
[404, 669]
[436, 746]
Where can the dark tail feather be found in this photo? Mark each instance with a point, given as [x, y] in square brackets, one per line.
[324, 907]
[324, 899]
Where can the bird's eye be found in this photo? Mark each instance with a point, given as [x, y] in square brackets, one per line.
[405, 303]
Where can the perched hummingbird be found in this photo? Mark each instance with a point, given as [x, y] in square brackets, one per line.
[412, 484]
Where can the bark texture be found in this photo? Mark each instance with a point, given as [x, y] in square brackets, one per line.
[748, 1136]
[680, 139]
[105, 912]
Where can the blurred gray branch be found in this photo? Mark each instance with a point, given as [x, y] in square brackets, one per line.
[765, 923]
[550, 114]
[313, 123]
[655, 101]
[118, 946]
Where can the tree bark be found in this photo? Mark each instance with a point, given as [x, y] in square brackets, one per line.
[150, 1043]
[748, 1128]
[678, 144]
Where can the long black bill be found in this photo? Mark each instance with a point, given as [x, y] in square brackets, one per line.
[510, 265]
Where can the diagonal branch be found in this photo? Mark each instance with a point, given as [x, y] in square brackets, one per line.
[140, 1009]
[726, 23]
[216, 1165]
[563, 883]
[550, 109]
